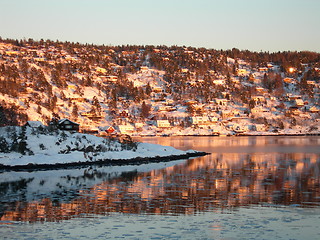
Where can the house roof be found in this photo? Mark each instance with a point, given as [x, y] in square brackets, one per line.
[34, 124]
[64, 120]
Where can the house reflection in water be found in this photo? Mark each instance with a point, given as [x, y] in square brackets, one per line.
[217, 181]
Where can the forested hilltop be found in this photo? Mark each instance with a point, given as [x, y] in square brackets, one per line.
[159, 90]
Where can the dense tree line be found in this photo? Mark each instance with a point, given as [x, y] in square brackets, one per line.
[11, 116]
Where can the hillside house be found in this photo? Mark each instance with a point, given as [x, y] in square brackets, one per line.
[226, 114]
[291, 97]
[77, 99]
[144, 69]
[200, 120]
[199, 108]
[124, 114]
[259, 110]
[269, 65]
[258, 98]
[238, 128]
[298, 103]
[263, 69]
[235, 80]
[289, 80]
[219, 82]
[239, 118]
[157, 89]
[221, 101]
[163, 124]
[294, 110]
[96, 117]
[126, 129]
[214, 119]
[111, 78]
[261, 90]
[68, 125]
[242, 72]
[34, 124]
[101, 70]
[312, 83]
[109, 129]
[314, 109]
[72, 87]
[139, 126]
[162, 108]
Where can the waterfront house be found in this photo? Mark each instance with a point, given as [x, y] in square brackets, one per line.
[126, 129]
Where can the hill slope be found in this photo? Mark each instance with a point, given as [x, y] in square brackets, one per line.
[192, 91]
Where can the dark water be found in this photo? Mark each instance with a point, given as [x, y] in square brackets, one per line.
[241, 174]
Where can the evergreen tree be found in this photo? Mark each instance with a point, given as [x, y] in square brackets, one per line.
[145, 110]
[4, 146]
[75, 111]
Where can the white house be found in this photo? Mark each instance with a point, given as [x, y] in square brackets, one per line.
[163, 124]
[139, 125]
[259, 110]
[219, 82]
[34, 124]
[126, 129]
[238, 128]
[200, 120]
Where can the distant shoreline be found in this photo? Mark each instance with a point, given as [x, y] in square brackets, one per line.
[237, 135]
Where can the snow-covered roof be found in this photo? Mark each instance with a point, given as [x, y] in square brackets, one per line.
[61, 121]
[34, 124]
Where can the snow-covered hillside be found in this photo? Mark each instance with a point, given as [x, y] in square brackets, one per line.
[148, 90]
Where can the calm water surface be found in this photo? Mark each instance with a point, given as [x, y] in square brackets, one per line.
[247, 188]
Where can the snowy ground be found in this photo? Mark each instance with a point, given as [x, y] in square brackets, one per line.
[64, 147]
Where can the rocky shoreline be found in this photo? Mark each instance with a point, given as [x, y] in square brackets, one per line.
[100, 162]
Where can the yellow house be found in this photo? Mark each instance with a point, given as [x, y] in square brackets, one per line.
[163, 124]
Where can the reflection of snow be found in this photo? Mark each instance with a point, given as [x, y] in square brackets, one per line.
[40, 184]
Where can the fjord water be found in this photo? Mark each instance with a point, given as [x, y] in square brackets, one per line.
[247, 188]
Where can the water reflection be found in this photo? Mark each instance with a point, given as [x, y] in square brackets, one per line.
[221, 180]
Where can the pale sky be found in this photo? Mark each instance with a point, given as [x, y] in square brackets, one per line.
[267, 25]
